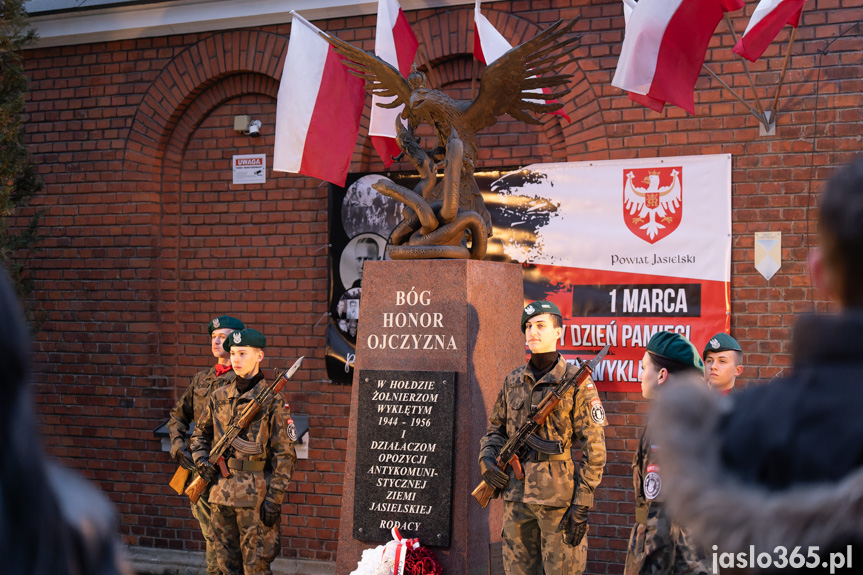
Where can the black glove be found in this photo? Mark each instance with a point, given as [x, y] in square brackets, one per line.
[270, 512]
[206, 470]
[574, 524]
[492, 474]
[183, 458]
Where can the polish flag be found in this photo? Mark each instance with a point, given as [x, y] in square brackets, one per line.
[318, 108]
[489, 45]
[664, 48]
[396, 45]
[766, 22]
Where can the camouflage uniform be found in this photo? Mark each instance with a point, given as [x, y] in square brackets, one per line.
[534, 507]
[190, 407]
[261, 468]
[656, 544]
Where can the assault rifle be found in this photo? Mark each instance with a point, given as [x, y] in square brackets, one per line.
[519, 443]
[221, 448]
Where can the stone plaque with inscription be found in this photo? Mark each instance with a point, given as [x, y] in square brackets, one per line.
[404, 455]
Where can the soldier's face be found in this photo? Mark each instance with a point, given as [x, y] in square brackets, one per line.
[651, 376]
[721, 369]
[245, 360]
[217, 339]
[540, 334]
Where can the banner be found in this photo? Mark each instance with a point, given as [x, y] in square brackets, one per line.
[625, 248]
[361, 220]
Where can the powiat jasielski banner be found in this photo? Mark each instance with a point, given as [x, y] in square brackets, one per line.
[624, 248]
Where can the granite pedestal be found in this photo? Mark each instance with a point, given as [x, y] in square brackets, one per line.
[470, 328]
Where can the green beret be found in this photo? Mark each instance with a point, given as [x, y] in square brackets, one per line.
[245, 338]
[675, 347]
[721, 342]
[538, 308]
[224, 322]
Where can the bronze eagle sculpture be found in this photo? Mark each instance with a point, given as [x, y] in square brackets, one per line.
[439, 215]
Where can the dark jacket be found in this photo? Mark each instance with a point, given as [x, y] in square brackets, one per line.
[779, 465]
[807, 427]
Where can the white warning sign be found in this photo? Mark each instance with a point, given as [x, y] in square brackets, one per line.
[250, 169]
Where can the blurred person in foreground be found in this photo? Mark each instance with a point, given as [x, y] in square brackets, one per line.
[52, 522]
[779, 466]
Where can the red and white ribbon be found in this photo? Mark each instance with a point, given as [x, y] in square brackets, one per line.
[402, 550]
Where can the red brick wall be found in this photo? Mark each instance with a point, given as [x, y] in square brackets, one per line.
[148, 238]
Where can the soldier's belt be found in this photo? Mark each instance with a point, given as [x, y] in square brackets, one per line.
[545, 446]
[246, 465]
[641, 515]
[536, 456]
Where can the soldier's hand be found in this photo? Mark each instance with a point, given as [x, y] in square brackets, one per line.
[207, 471]
[574, 524]
[183, 458]
[492, 474]
[270, 512]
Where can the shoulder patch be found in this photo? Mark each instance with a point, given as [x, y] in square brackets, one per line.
[597, 412]
[652, 482]
[292, 430]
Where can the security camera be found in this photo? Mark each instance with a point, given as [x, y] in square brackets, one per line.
[254, 128]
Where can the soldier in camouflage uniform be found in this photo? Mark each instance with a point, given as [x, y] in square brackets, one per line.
[246, 506]
[545, 515]
[191, 406]
[657, 545]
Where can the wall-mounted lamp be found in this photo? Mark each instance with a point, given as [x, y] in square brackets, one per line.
[247, 126]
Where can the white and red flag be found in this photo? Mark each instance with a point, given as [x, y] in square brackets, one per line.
[766, 22]
[664, 47]
[395, 44]
[318, 108]
[489, 45]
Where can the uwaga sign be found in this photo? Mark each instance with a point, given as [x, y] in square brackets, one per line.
[404, 455]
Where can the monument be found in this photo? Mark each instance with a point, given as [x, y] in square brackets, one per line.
[438, 327]
[435, 341]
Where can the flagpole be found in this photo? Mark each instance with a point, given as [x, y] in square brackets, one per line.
[773, 108]
[473, 59]
[473, 78]
[732, 91]
[432, 76]
[761, 118]
[309, 24]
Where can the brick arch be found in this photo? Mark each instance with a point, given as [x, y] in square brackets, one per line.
[447, 35]
[223, 91]
[198, 80]
[180, 83]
